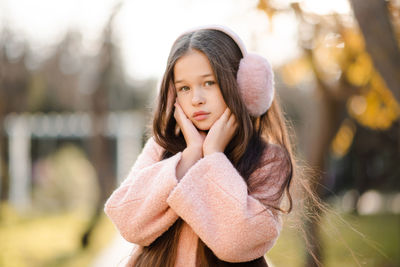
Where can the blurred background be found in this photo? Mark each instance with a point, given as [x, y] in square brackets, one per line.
[78, 79]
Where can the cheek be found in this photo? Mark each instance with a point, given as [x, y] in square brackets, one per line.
[218, 95]
[220, 112]
[221, 105]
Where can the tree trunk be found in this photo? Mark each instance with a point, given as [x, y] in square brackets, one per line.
[331, 112]
[324, 131]
[100, 149]
[380, 40]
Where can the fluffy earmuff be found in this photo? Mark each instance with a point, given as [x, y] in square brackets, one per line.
[255, 77]
[256, 82]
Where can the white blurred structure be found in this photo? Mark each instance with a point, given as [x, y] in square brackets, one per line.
[20, 163]
[125, 127]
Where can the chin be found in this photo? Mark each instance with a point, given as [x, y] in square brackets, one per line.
[203, 127]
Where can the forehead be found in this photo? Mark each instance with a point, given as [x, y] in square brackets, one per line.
[192, 65]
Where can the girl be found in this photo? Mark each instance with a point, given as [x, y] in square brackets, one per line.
[206, 189]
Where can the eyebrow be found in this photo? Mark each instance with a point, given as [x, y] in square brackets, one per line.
[205, 75]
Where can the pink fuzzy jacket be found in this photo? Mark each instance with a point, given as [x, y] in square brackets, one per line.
[212, 198]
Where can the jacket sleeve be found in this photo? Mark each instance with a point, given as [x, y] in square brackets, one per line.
[138, 207]
[213, 199]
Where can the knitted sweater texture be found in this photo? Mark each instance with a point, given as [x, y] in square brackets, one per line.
[212, 199]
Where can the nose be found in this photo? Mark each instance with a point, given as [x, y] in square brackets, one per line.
[198, 97]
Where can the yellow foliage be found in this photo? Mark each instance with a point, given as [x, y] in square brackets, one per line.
[355, 61]
[353, 39]
[381, 108]
[375, 107]
[343, 139]
[264, 5]
[359, 72]
[297, 71]
[327, 54]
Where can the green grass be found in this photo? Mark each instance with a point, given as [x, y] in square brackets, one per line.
[53, 240]
[374, 241]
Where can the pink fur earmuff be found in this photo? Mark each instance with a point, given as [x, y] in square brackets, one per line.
[255, 77]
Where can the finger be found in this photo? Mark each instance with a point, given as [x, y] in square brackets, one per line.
[184, 123]
[177, 105]
[176, 112]
[178, 116]
[231, 120]
[226, 114]
[233, 128]
[179, 110]
[236, 125]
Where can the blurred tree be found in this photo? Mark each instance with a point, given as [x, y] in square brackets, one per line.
[348, 88]
[100, 149]
[66, 78]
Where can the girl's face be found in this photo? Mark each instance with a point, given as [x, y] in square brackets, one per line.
[197, 90]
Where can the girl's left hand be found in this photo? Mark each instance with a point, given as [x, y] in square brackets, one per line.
[220, 133]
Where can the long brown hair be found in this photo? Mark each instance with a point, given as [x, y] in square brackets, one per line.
[246, 148]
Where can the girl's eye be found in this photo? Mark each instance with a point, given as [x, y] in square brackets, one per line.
[184, 88]
[210, 82]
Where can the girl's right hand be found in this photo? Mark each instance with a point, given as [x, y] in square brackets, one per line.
[193, 137]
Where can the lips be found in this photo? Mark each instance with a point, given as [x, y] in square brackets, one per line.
[200, 115]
